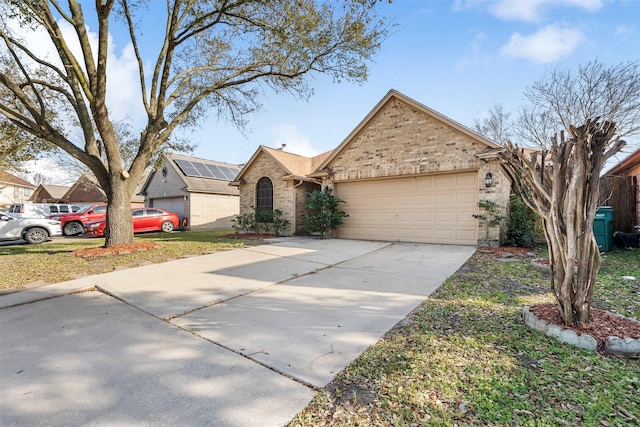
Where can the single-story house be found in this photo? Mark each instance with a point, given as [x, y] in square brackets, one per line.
[620, 188]
[85, 191]
[14, 189]
[406, 172]
[49, 193]
[196, 189]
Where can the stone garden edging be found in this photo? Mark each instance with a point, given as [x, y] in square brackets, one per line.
[627, 347]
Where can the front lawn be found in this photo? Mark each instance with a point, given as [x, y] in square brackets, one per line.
[465, 358]
[23, 266]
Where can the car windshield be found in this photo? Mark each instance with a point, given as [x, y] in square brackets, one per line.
[83, 209]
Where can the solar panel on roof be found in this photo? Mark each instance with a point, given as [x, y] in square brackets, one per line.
[215, 170]
[202, 169]
[234, 173]
[186, 167]
[228, 173]
[206, 170]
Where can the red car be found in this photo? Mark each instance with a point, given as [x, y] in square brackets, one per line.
[72, 223]
[144, 219]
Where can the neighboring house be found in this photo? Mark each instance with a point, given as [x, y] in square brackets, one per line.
[620, 188]
[14, 189]
[406, 172]
[49, 193]
[196, 189]
[85, 191]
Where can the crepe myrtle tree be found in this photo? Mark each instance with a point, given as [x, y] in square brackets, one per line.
[593, 107]
[215, 56]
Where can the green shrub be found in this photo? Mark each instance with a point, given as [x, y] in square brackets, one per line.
[522, 223]
[261, 222]
[244, 223]
[279, 223]
[491, 217]
[325, 215]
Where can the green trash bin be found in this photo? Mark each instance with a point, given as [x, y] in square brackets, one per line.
[603, 228]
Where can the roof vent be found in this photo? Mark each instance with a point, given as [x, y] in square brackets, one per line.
[284, 146]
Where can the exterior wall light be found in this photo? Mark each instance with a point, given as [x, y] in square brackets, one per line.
[488, 179]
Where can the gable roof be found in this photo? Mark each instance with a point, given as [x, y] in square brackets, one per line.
[418, 106]
[194, 184]
[48, 192]
[295, 165]
[12, 179]
[628, 163]
[85, 189]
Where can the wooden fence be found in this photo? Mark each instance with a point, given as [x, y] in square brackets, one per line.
[621, 193]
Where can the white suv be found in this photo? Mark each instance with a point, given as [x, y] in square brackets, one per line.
[30, 210]
[41, 210]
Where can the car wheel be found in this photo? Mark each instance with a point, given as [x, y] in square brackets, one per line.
[167, 226]
[36, 235]
[72, 229]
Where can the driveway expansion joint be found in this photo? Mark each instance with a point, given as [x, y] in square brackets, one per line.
[248, 357]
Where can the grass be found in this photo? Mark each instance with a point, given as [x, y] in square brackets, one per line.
[23, 266]
[465, 358]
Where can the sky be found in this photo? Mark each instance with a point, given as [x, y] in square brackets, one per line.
[458, 57]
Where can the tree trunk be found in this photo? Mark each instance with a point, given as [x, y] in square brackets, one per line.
[119, 230]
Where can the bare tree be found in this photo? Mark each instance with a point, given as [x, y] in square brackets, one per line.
[561, 180]
[215, 55]
[496, 125]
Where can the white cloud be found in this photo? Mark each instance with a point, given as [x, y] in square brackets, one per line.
[476, 54]
[123, 87]
[526, 10]
[296, 142]
[625, 32]
[547, 45]
[533, 10]
[52, 170]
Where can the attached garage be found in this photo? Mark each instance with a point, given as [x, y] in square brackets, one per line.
[406, 172]
[171, 204]
[426, 209]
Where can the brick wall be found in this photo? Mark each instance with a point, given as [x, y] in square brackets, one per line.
[402, 140]
[284, 192]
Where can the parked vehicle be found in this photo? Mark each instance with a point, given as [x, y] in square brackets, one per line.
[59, 208]
[33, 230]
[30, 210]
[144, 219]
[73, 223]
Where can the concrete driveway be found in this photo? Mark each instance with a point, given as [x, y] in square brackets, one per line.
[236, 338]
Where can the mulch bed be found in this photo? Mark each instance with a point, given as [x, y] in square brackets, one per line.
[116, 250]
[513, 250]
[601, 324]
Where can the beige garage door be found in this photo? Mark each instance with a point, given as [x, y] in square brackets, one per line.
[428, 209]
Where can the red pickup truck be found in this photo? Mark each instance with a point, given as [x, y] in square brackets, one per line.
[73, 223]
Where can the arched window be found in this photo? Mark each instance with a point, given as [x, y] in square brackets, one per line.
[264, 200]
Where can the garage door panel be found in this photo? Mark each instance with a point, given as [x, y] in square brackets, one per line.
[430, 209]
[445, 234]
[465, 181]
[445, 199]
[424, 216]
